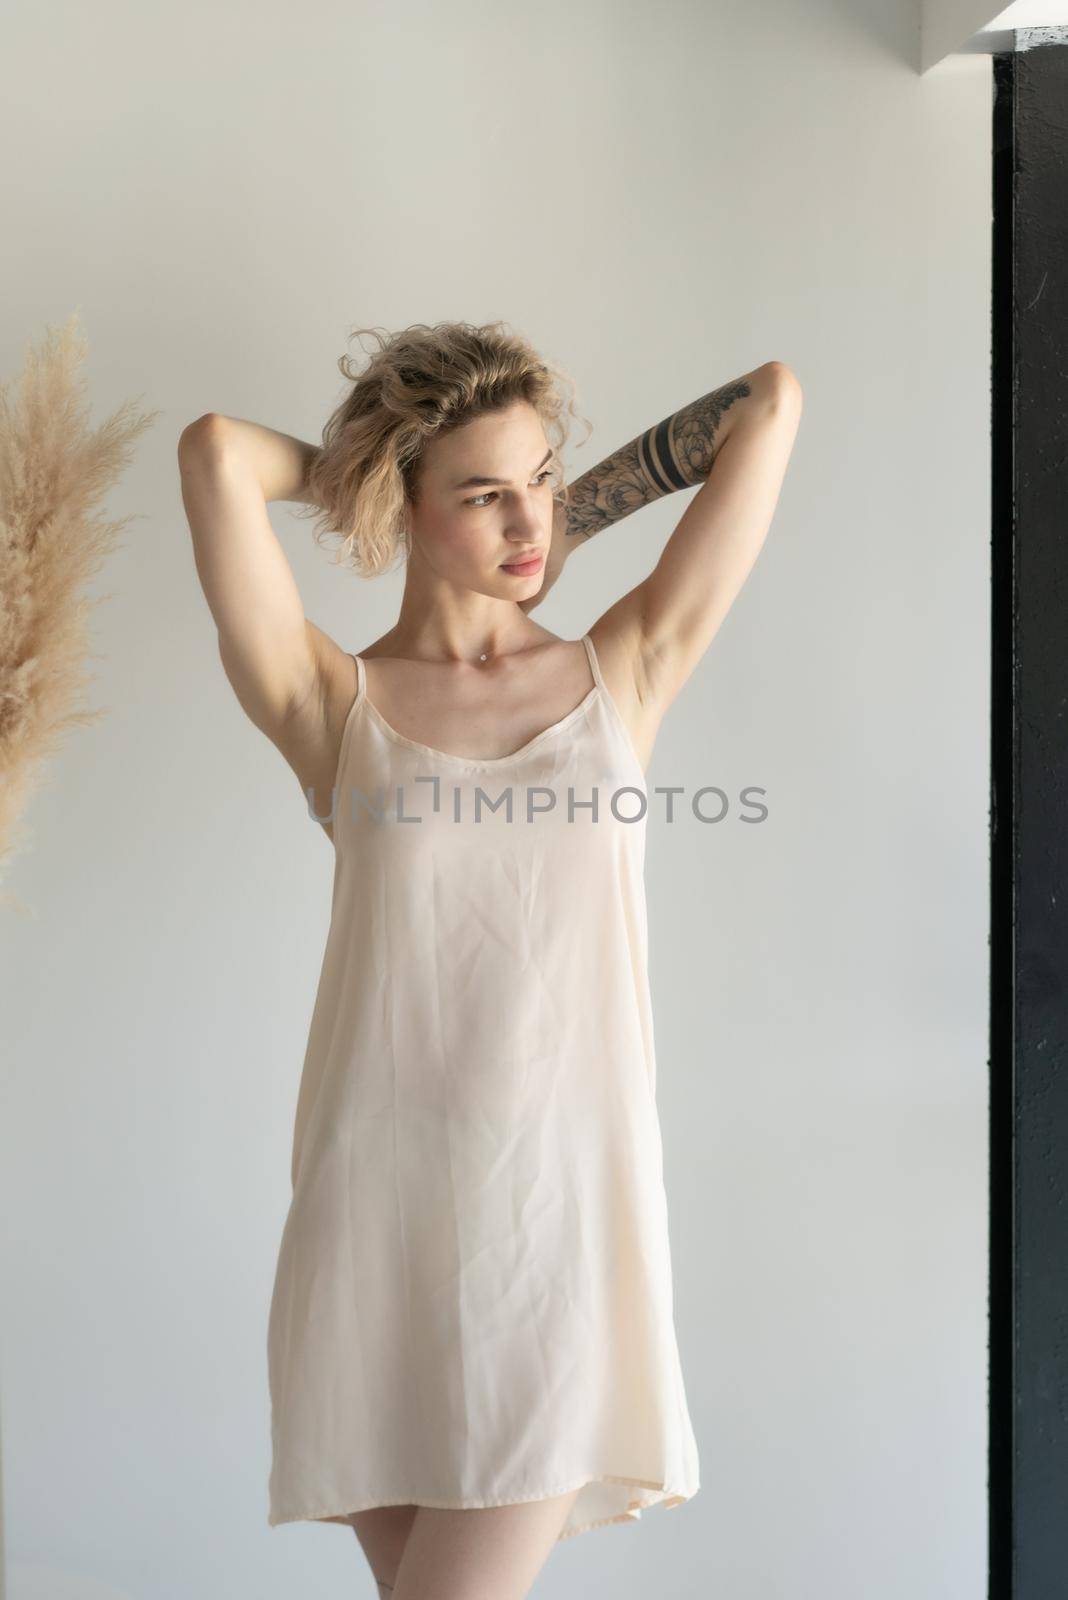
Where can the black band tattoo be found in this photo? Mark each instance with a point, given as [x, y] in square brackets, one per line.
[677, 454]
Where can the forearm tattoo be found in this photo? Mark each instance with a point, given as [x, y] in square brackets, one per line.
[677, 454]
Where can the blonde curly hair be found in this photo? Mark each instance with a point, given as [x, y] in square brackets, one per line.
[420, 384]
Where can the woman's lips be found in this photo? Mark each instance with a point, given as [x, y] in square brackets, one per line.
[523, 569]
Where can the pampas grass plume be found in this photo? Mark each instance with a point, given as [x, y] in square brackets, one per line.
[54, 471]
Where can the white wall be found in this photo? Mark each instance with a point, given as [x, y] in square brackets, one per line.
[661, 198]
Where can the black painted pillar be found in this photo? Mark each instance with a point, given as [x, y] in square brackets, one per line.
[1028, 1465]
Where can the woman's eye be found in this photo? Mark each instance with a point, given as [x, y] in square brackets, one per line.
[489, 492]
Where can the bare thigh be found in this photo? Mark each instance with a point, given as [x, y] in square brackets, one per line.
[383, 1532]
[487, 1554]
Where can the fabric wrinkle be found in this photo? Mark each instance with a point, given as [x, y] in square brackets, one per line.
[473, 1296]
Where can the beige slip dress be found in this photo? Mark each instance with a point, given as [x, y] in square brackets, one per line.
[473, 1298]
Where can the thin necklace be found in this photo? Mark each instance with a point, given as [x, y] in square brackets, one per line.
[485, 655]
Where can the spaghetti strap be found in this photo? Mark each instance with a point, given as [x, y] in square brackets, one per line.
[595, 665]
[361, 678]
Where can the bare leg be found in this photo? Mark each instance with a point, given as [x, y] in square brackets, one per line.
[382, 1533]
[490, 1554]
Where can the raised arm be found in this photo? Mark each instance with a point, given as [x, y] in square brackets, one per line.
[676, 453]
[229, 471]
[743, 450]
[735, 443]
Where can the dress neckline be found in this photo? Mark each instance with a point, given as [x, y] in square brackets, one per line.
[487, 761]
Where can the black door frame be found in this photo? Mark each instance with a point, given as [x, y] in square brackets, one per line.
[1028, 1128]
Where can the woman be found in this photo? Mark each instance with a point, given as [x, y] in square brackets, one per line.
[471, 1347]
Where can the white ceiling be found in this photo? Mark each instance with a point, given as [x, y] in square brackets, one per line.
[957, 27]
[1031, 14]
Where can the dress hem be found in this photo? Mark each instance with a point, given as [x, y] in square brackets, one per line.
[668, 1498]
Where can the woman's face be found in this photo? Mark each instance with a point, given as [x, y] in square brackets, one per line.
[467, 529]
